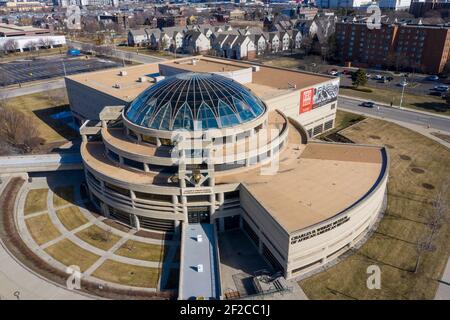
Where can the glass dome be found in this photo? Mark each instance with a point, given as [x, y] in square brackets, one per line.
[194, 101]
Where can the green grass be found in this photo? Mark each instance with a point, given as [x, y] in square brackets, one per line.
[418, 102]
[127, 274]
[68, 253]
[36, 201]
[393, 246]
[98, 237]
[71, 217]
[42, 229]
[142, 251]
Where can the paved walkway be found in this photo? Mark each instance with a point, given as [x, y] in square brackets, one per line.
[92, 220]
[19, 282]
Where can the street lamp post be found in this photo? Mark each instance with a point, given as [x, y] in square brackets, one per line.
[401, 98]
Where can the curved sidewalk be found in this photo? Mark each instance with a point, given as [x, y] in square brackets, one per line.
[19, 282]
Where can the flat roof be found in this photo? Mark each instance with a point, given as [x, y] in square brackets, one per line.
[267, 82]
[125, 87]
[12, 28]
[200, 284]
[314, 182]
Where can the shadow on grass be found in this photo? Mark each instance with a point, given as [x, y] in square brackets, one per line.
[59, 125]
[433, 106]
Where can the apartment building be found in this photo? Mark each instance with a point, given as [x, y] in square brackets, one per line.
[398, 45]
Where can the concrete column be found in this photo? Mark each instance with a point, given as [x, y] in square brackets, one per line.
[158, 142]
[120, 159]
[136, 222]
[139, 137]
[84, 138]
[177, 227]
[104, 124]
[221, 198]
[212, 207]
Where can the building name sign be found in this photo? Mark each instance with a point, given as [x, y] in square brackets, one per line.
[319, 231]
[196, 191]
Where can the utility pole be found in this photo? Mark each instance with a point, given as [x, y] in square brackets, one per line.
[64, 68]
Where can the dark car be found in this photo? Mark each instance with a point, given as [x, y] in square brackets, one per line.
[368, 104]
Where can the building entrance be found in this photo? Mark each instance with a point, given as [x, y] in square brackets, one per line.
[198, 215]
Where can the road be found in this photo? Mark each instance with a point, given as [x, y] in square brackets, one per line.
[435, 122]
[29, 89]
[127, 55]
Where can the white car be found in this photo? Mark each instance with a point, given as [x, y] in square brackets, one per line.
[441, 88]
[433, 78]
[378, 77]
[334, 73]
[403, 83]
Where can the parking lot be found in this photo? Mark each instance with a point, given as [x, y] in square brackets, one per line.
[417, 84]
[21, 71]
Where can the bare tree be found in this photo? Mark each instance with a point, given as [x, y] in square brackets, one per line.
[19, 130]
[10, 45]
[435, 219]
[46, 42]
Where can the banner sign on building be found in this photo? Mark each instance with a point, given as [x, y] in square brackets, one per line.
[319, 96]
[326, 93]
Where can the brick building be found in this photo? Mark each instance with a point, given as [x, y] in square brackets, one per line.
[396, 45]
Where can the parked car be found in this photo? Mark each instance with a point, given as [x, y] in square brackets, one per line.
[390, 78]
[334, 72]
[441, 88]
[404, 83]
[368, 104]
[378, 77]
[433, 78]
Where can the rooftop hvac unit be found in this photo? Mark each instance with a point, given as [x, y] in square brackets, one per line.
[158, 78]
[194, 62]
[117, 86]
[199, 238]
[199, 268]
[255, 68]
[142, 79]
[123, 73]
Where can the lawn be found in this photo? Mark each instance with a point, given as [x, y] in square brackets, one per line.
[419, 102]
[71, 217]
[63, 196]
[36, 201]
[98, 237]
[147, 51]
[68, 253]
[42, 229]
[127, 274]
[40, 106]
[141, 250]
[418, 168]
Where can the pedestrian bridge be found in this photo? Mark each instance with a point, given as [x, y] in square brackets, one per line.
[40, 163]
[199, 269]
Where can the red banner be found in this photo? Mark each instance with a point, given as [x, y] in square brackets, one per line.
[306, 100]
